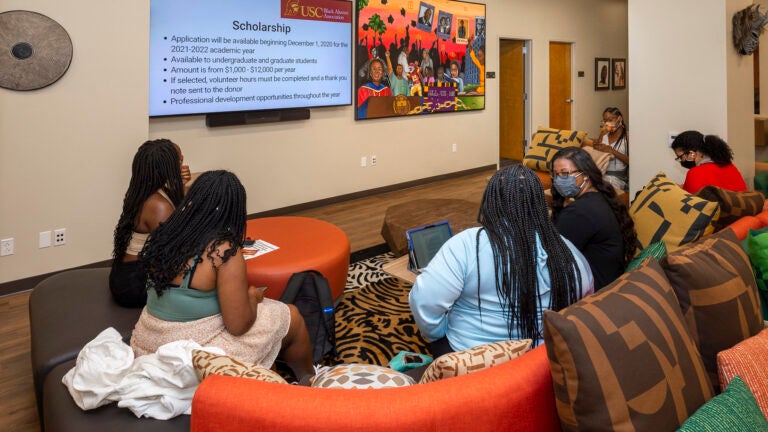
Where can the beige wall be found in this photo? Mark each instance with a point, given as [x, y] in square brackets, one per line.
[685, 74]
[65, 150]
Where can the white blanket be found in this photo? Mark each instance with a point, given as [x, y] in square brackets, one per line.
[159, 385]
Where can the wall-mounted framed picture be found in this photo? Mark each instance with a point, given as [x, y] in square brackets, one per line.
[602, 73]
[419, 57]
[618, 73]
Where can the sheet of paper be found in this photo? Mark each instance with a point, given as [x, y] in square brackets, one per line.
[259, 247]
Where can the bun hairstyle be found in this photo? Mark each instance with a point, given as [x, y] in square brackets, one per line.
[710, 145]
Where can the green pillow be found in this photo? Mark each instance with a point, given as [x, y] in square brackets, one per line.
[735, 409]
[757, 249]
[655, 250]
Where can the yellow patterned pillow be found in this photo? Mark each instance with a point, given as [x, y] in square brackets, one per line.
[663, 211]
[474, 359]
[546, 142]
[206, 363]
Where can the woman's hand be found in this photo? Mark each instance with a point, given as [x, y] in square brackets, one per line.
[603, 147]
[255, 296]
[186, 174]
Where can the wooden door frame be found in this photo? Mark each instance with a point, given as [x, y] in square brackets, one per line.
[527, 85]
[572, 74]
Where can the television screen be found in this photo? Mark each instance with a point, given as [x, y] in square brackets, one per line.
[242, 55]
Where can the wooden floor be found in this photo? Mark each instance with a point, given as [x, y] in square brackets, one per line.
[360, 219]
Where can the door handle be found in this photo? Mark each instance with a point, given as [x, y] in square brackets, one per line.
[569, 101]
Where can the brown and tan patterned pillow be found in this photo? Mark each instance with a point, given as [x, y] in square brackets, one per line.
[622, 359]
[716, 288]
[474, 359]
[546, 142]
[733, 205]
[206, 363]
[747, 360]
[360, 376]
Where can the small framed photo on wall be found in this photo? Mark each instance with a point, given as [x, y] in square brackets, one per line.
[602, 73]
[618, 73]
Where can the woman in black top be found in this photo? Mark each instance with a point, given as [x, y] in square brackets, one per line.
[596, 222]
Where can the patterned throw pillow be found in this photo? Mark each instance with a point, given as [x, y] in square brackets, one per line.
[747, 360]
[663, 211]
[733, 410]
[716, 289]
[654, 250]
[206, 363]
[474, 359]
[733, 205]
[360, 376]
[546, 142]
[622, 359]
[601, 158]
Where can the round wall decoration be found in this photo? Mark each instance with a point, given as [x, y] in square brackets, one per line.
[35, 51]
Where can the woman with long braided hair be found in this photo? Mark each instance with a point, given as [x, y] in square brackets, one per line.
[491, 283]
[597, 221]
[156, 188]
[197, 285]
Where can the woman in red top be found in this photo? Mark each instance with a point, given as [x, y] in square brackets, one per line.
[709, 161]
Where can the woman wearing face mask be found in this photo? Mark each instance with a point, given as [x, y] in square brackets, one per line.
[614, 139]
[596, 222]
[709, 161]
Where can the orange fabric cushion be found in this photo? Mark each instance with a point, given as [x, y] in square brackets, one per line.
[304, 244]
[742, 226]
[747, 360]
[514, 396]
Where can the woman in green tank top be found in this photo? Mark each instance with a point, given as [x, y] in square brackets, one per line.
[197, 286]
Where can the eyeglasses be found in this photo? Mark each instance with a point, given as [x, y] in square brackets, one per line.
[679, 157]
[566, 174]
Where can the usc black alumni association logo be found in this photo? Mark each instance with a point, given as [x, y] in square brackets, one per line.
[317, 10]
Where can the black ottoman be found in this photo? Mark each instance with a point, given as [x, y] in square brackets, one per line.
[62, 415]
[66, 311]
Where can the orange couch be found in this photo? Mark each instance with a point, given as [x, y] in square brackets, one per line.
[514, 396]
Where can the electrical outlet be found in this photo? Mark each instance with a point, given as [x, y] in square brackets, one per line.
[44, 239]
[60, 237]
[373, 160]
[363, 161]
[6, 247]
[454, 147]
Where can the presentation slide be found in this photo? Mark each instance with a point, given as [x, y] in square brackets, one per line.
[239, 55]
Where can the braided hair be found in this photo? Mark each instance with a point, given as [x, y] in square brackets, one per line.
[513, 213]
[585, 164]
[212, 213]
[156, 165]
[709, 145]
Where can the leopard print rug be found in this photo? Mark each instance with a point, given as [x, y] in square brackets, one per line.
[373, 320]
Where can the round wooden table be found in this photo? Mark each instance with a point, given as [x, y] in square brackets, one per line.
[304, 244]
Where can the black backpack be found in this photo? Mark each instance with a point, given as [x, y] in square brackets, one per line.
[310, 293]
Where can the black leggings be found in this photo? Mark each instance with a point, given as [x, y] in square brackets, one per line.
[440, 347]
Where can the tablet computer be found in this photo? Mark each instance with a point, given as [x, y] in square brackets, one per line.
[424, 242]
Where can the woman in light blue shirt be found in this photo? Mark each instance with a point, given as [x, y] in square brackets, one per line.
[492, 283]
